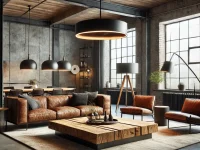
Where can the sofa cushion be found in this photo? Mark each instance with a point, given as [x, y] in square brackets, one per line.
[33, 103]
[41, 114]
[65, 112]
[135, 110]
[86, 109]
[56, 101]
[191, 106]
[92, 98]
[42, 101]
[144, 101]
[79, 99]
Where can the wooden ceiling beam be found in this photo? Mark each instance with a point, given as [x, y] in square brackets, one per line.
[5, 2]
[114, 8]
[63, 15]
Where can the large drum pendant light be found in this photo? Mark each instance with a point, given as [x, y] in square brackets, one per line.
[49, 65]
[28, 63]
[101, 29]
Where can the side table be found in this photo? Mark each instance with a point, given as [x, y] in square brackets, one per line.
[159, 115]
[2, 118]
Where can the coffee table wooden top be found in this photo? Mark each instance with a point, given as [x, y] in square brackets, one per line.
[98, 134]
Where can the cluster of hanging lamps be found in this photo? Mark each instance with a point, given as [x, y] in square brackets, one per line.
[28, 64]
[49, 65]
[101, 29]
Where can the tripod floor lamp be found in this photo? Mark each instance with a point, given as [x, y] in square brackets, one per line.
[168, 66]
[126, 68]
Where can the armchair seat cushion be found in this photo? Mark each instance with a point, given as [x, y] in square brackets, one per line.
[135, 110]
[41, 114]
[181, 117]
[65, 112]
[86, 109]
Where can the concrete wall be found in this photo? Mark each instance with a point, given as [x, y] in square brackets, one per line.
[15, 50]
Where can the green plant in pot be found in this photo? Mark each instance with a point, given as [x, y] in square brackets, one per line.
[156, 77]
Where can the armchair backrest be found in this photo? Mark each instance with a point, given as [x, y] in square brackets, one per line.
[191, 106]
[144, 101]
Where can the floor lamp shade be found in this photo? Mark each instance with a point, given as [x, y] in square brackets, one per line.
[28, 64]
[101, 29]
[127, 67]
[167, 67]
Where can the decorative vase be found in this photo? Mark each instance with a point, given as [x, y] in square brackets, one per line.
[181, 86]
[108, 84]
[34, 86]
[105, 117]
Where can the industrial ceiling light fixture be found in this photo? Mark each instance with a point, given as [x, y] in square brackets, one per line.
[101, 29]
[49, 65]
[28, 64]
[64, 65]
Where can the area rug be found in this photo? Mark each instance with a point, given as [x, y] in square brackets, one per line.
[43, 138]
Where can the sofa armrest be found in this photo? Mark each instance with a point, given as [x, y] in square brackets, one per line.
[18, 110]
[104, 101]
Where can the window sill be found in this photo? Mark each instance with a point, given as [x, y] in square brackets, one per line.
[177, 91]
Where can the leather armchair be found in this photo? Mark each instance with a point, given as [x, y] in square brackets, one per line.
[142, 105]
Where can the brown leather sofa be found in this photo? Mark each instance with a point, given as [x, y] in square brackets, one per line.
[190, 113]
[51, 108]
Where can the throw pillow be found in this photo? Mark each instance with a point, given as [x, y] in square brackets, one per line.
[33, 103]
[92, 98]
[79, 99]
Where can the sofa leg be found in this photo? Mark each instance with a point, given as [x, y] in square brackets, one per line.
[133, 117]
[141, 117]
[121, 115]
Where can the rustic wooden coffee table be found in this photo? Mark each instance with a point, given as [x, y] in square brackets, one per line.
[103, 136]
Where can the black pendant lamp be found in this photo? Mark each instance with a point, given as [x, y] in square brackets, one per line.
[64, 65]
[101, 29]
[49, 65]
[28, 63]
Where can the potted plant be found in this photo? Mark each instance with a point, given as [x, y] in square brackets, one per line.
[34, 83]
[156, 77]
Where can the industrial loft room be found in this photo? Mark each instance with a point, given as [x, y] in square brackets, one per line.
[100, 74]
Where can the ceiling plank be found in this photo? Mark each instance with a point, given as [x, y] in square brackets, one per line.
[110, 7]
[63, 15]
[5, 2]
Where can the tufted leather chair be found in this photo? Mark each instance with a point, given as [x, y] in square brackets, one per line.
[142, 105]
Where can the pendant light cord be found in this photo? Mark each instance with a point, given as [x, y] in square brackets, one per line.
[49, 43]
[29, 8]
[100, 9]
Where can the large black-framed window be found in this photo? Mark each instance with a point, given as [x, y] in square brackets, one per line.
[180, 37]
[122, 51]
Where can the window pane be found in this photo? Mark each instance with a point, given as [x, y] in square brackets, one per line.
[175, 31]
[113, 83]
[183, 71]
[134, 53]
[119, 43]
[130, 51]
[124, 52]
[124, 42]
[118, 53]
[119, 60]
[183, 44]
[130, 42]
[113, 44]
[184, 55]
[184, 29]
[129, 34]
[194, 42]
[113, 54]
[175, 72]
[194, 55]
[134, 59]
[168, 32]
[168, 47]
[185, 82]
[175, 46]
[124, 60]
[174, 83]
[194, 27]
[193, 82]
[119, 76]
[130, 59]
[195, 68]
[113, 64]
[133, 41]
[119, 81]
[113, 74]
